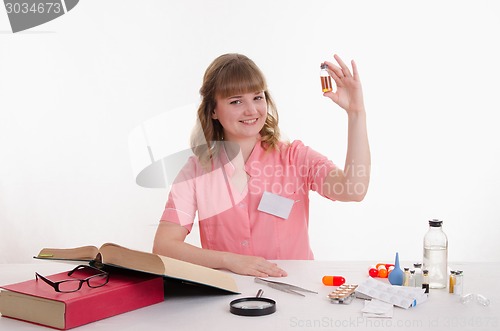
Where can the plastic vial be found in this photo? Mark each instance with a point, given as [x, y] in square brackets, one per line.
[406, 277]
[326, 80]
[467, 298]
[425, 280]
[412, 278]
[458, 287]
[482, 300]
[418, 274]
[436, 254]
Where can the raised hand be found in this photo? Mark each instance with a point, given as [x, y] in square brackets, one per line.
[349, 94]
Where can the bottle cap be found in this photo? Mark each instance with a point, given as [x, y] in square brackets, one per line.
[435, 223]
[323, 66]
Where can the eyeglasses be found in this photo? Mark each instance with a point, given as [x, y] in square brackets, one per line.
[73, 285]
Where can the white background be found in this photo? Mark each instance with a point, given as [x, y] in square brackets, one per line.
[72, 90]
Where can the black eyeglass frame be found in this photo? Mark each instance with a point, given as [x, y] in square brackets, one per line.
[55, 285]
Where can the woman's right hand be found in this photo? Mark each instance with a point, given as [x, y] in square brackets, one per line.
[169, 241]
[252, 266]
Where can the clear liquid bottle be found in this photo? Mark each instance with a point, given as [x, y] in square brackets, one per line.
[326, 80]
[436, 254]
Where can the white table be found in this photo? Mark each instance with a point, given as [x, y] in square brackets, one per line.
[443, 311]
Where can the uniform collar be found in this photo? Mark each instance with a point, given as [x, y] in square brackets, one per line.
[231, 165]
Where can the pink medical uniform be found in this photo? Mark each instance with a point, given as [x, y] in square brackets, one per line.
[227, 197]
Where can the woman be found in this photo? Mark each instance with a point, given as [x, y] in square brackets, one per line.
[250, 189]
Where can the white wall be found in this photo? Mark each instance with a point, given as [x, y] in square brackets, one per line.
[72, 90]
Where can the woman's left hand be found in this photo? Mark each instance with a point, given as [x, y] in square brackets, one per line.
[349, 94]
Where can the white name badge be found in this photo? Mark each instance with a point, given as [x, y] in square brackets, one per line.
[275, 205]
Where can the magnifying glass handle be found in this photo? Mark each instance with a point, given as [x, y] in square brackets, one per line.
[259, 293]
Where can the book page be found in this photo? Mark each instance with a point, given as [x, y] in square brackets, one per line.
[84, 253]
[33, 309]
[161, 265]
[198, 274]
[131, 259]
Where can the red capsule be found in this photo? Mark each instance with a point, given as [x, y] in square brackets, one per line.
[333, 280]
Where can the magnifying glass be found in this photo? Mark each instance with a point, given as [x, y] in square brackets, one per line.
[257, 306]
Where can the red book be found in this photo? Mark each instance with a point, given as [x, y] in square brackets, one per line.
[37, 302]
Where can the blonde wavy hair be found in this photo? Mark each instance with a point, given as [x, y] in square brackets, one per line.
[228, 75]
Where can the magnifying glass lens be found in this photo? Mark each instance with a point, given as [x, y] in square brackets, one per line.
[252, 304]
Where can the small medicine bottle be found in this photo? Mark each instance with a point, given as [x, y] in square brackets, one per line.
[326, 80]
[459, 283]
[425, 280]
[418, 274]
[412, 278]
[452, 281]
[406, 277]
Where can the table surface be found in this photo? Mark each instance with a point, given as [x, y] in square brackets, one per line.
[442, 311]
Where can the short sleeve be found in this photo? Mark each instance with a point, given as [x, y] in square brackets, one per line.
[181, 205]
[312, 165]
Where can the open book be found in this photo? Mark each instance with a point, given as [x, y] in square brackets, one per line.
[117, 256]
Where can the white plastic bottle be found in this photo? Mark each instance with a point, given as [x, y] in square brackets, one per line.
[436, 254]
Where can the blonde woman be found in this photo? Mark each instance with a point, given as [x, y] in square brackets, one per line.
[249, 188]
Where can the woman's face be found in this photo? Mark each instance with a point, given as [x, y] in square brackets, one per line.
[241, 116]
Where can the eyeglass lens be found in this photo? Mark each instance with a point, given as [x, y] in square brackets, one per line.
[71, 285]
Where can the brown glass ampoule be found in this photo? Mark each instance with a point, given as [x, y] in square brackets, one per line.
[326, 80]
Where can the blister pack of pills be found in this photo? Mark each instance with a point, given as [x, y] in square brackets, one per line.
[401, 296]
[344, 294]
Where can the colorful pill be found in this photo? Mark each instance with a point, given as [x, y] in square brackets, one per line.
[333, 280]
[373, 272]
[382, 271]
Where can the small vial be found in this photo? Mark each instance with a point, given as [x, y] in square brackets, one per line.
[452, 281]
[458, 287]
[482, 300]
[465, 299]
[425, 280]
[412, 278]
[406, 277]
[326, 80]
[418, 274]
